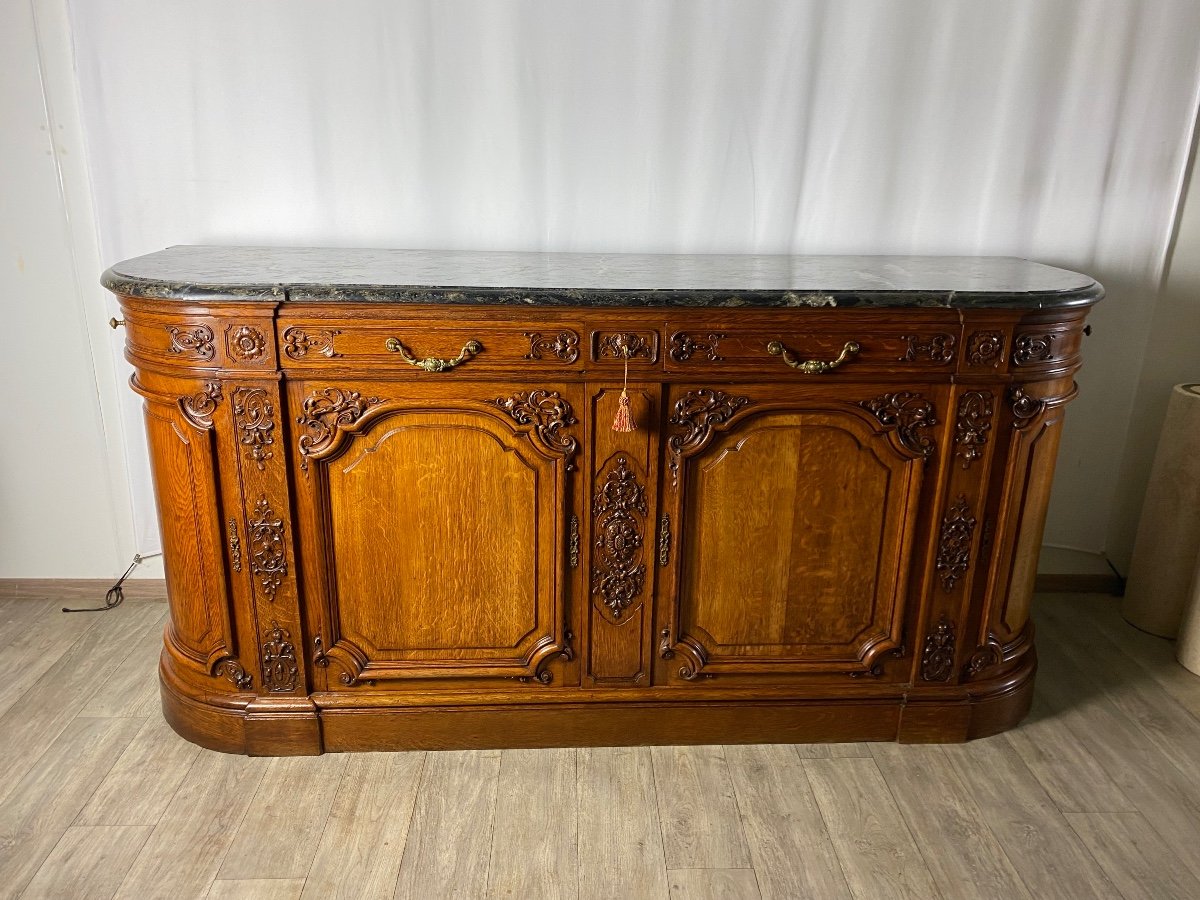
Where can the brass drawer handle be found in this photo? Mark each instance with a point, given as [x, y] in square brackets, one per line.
[813, 366]
[432, 363]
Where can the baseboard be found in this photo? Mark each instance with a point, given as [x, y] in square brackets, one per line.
[1073, 583]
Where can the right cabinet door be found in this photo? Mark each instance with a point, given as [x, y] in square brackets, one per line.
[795, 510]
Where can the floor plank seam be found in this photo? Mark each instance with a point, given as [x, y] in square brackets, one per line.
[825, 822]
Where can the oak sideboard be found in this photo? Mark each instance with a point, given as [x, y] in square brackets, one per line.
[399, 509]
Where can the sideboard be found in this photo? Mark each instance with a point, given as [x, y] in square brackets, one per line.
[396, 512]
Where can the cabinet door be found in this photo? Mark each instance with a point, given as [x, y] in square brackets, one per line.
[434, 521]
[796, 509]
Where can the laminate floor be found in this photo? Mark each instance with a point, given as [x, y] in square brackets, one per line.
[1096, 795]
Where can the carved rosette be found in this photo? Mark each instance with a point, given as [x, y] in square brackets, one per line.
[564, 345]
[684, 346]
[231, 669]
[199, 340]
[199, 408]
[1032, 348]
[1025, 408]
[695, 416]
[245, 342]
[280, 670]
[268, 562]
[937, 348]
[547, 412]
[619, 508]
[985, 349]
[954, 543]
[298, 343]
[907, 413]
[975, 411]
[323, 412]
[937, 659]
[254, 415]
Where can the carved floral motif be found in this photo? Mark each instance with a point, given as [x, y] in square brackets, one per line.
[985, 348]
[199, 341]
[255, 417]
[246, 342]
[199, 408]
[573, 542]
[280, 670]
[937, 659]
[664, 541]
[268, 561]
[974, 422]
[564, 345]
[954, 544]
[620, 511]
[907, 413]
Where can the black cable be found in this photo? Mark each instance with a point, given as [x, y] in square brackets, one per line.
[115, 594]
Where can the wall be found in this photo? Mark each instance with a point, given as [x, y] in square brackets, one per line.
[1172, 357]
[65, 506]
[1054, 131]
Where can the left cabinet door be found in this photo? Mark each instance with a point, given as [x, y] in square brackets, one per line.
[434, 528]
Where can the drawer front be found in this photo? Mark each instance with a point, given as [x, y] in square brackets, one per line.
[813, 350]
[428, 346]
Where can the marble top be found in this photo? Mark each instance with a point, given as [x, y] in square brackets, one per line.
[595, 279]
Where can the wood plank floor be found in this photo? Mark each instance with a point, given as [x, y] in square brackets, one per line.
[1096, 795]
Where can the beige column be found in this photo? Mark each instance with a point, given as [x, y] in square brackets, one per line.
[1168, 539]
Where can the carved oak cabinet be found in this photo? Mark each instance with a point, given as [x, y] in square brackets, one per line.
[396, 512]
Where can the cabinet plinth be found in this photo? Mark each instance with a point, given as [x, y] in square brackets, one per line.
[398, 520]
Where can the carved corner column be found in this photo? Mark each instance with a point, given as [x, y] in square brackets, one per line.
[262, 550]
[622, 539]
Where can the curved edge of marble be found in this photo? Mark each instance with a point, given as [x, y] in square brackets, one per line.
[812, 295]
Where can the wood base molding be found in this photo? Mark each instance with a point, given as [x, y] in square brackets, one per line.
[972, 711]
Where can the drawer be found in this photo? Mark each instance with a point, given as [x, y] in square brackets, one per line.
[817, 349]
[428, 346]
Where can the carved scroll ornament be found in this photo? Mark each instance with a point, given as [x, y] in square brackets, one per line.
[908, 414]
[619, 507]
[199, 407]
[255, 416]
[280, 669]
[974, 422]
[954, 544]
[323, 412]
[564, 345]
[696, 413]
[547, 412]
[268, 561]
[937, 659]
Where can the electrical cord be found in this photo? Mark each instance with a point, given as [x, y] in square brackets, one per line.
[115, 594]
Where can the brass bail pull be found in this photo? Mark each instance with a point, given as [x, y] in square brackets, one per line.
[432, 363]
[814, 366]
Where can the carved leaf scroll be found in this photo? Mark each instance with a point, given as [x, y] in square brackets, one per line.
[322, 413]
[696, 413]
[937, 660]
[974, 422]
[280, 670]
[548, 413]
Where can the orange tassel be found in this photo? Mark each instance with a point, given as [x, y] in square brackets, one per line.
[624, 418]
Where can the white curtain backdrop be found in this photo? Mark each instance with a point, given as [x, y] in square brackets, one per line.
[1051, 130]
